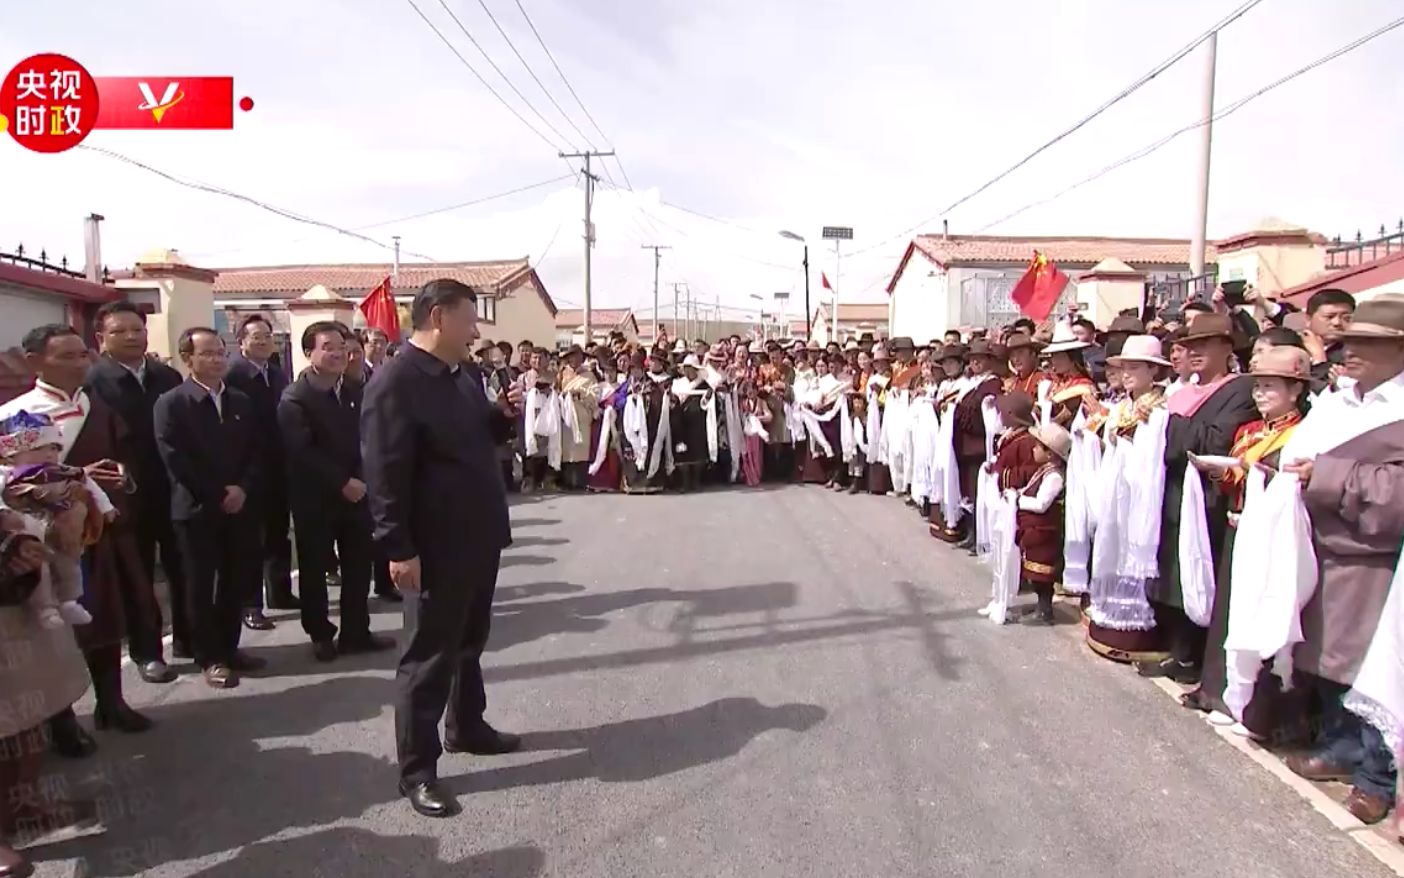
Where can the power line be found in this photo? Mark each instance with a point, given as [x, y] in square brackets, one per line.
[533, 75]
[493, 64]
[473, 70]
[1226, 111]
[247, 199]
[570, 88]
[1113, 101]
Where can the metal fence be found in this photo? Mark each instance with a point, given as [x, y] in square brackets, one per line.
[1346, 254]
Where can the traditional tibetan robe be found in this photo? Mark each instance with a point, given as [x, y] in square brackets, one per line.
[605, 474]
[879, 476]
[970, 434]
[579, 401]
[1040, 527]
[1255, 442]
[1069, 395]
[691, 439]
[645, 445]
[1014, 461]
[776, 389]
[1027, 383]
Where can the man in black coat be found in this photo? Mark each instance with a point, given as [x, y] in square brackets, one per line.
[209, 443]
[429, 440]
[129, 382]
[319, 420]
[1203, 421]
[252, 372]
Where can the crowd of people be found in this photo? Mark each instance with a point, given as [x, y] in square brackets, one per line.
[1219, 492]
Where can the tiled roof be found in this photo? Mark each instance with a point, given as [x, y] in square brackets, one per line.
[355, 280]
[1075, 249]
[57, 284]
[574, 318]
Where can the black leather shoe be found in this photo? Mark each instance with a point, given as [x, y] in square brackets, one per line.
[1038, 617]
[324, 651]
[488, 742]
[393, 596]
[428, 799]
[156, 672]
[369, 643]
[181, 651]
[71, 740]
[254, 620]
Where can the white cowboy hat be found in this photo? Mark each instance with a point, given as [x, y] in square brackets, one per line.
[880, 352]
[1140, 349]
[691, 362]
[851, 345]
[679, 347]
[1064, 340]
[755, 347]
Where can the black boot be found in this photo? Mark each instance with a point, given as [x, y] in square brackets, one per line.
[1044, 614]
[69, 739]
[112, 709]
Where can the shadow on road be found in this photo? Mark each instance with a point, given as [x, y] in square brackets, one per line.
[507, 593]
[519, 542]
[526, 560]
[210, 787]
[643, 749]
[345, 852]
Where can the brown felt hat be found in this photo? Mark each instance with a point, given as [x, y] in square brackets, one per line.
[1380, 317]
[1283, 361]
[1209, 325]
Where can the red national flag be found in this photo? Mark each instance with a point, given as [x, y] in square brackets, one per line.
[824, 279]
[379, 309]
[1038, 290]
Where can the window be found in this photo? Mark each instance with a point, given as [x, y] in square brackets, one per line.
[487, 309]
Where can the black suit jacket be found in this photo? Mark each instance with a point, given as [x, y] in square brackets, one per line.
[321, 436]
[134, 401]
[244, 376]
[428, 441]
[204, 452]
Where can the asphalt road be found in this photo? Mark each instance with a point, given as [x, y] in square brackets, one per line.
[745, 683]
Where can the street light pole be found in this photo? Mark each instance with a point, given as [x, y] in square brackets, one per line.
[808, 314]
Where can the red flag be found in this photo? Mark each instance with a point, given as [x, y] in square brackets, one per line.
[379, 309]
[824, 278]
[1038, 290]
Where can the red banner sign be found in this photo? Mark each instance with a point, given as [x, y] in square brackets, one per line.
[179, 102]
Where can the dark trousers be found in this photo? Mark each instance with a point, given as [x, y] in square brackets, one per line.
[221, 554]
[1350, 742]
[445, 630]
[384, 585]
[154, 529]
[1186, 640]
[276, 582]
[334, 532]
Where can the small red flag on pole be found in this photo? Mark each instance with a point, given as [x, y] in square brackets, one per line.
[1038, 290]
[379, 309]
[824, 279]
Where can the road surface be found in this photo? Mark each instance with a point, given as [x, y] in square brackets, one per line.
[783, 682]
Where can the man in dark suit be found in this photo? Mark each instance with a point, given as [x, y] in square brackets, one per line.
[319, 418]
[209, 442]
[129, 382]
[252, 372]
[429, 439]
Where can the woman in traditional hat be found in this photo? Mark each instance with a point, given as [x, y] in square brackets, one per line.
[605, 475]
[1039, 533]
[1120, 622]
[1073, 387]
[1281, 381]
[876, 389]
[644, 454]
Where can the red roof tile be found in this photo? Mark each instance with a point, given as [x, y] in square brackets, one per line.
[1072, 249]
[57, 284]
[574, 318]
[356, 280]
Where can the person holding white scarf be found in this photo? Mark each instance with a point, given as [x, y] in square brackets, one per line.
[645, 447]
[540, 430]
[578, 396]
[969, 431]
[694, 423]
[1349, 456]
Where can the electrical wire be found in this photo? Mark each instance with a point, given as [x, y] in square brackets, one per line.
[493, 64]
[533, 75]
[570, 88]
[1107, 105]
[473, 70]
[1221, 114]
[247, 199]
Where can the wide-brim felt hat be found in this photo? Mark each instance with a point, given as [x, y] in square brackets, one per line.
[1055, 438]
[880, 352]
[951, 352]
[901, 343]
[1284, 361]
[1064, 341]
[1210, 325]
[1015, 409]
[572, 351]
[1380, 317]
[1127, 324]
[1140, 349]
[982, 348]
[1021, 340]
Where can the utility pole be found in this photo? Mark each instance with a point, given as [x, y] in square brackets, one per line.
[1206, 141]
[679, 333]
[590, 180]
[395, 266]
[657, 258]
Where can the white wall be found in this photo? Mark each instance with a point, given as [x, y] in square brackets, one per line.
[920, 301]
[22, 311]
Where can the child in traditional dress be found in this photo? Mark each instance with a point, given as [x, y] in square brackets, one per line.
[60, 504]
[1039, 532]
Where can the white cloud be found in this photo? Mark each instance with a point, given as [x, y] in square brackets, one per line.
[787, 114]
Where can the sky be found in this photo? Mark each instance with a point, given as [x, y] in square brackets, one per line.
[732, 120]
